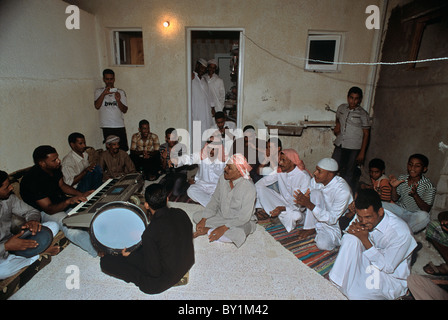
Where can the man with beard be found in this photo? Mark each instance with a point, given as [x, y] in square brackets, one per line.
[115, 162]
[229, 216]
[43, 188]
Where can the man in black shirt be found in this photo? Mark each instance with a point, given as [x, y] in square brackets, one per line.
[166, 253]
[43, 188]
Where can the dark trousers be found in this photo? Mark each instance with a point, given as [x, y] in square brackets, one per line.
[149, 167]
[175, 182]
[346, 159]
[92, 180]
[119, 132]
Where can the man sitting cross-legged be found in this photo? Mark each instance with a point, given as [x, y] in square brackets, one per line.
[326, 201]
[229, 216]
[293, 176]
[166, 253]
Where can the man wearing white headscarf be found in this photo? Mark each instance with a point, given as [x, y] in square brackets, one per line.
[216, 85]
[326, 201]
[201, 97]
[229, 216]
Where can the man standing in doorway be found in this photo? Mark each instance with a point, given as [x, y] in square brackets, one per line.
[202, 106]
[112, 104]
[216, 85]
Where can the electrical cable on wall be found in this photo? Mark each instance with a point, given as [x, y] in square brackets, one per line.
[347, 63]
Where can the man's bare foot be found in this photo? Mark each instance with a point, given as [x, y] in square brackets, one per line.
[53, 250]
[302, 234]
[261, 214]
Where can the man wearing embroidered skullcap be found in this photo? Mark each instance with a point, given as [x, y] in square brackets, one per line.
[290, 177]
[202, 103]
[115, 162]
[326, 200]
[216, 85]
[229, 215]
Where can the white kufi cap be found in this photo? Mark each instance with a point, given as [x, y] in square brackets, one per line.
[328, 164]
[203, 62]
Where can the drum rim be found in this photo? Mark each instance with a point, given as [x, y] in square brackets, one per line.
[136, 209]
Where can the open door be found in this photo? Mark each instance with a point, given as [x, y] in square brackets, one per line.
[226, 47]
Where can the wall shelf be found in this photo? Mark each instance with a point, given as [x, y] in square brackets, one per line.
[296, 129]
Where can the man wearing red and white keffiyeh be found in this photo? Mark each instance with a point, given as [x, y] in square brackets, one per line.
[229, 216]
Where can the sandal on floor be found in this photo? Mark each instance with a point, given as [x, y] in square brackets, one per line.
[433, 270]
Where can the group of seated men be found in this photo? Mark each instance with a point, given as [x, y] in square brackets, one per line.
[239, 181]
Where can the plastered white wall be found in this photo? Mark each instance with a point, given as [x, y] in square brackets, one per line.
[276, 88]
[47, 77]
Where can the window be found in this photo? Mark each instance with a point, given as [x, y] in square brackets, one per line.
[323, 51]
[128, 47]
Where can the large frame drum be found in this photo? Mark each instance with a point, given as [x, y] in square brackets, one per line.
[117, 225]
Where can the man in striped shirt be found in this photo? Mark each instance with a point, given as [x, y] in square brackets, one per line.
[413, 194]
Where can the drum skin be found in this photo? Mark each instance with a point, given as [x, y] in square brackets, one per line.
[117, 225]
[44, 238]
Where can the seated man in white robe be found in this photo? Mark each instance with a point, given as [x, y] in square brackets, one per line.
[326, 201]
[229, 216]
[293, 176]
[211, 163]
[374, 259]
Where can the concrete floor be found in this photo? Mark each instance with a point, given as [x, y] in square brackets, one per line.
[262, 269]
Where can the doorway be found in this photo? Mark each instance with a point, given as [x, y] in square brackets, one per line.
[226, 46]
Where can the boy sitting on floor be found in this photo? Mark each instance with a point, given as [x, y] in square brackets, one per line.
[379, 181]
[413, 194]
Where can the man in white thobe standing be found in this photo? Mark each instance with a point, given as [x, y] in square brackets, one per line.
[201, 102]
[374, 259]
[216, 85]
[293, 176]
[326, 201]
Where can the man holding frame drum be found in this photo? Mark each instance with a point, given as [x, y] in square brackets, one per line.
[166, 252]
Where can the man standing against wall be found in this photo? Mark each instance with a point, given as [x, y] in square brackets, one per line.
[352, 132]
[112, 104]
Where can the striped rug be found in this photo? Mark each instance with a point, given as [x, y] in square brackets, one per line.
[305, 250]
